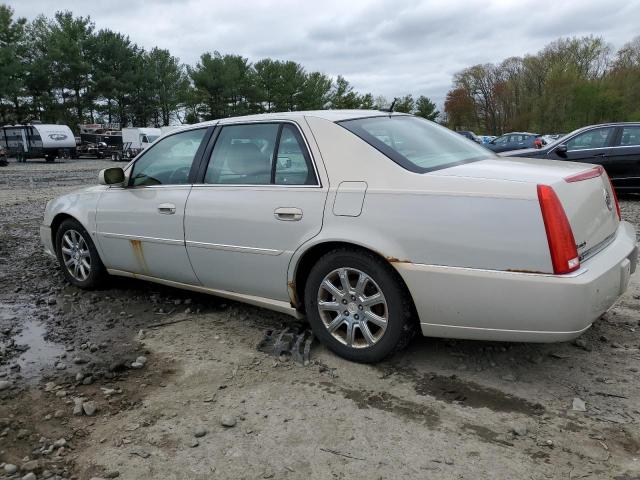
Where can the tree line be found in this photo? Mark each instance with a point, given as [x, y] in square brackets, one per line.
[63, 70]
[570, 83]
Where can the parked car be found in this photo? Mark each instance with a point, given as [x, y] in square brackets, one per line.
[3, 157]
[487, 138]
[514, 141]
[615, 146]
[470, 136]
[369, 223]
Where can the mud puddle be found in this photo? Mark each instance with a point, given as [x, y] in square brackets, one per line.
[452, 389]
[26, 350]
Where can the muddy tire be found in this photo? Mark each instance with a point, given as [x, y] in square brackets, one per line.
[77, 256]
[358, 306]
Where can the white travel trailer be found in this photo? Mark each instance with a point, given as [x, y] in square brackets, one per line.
[140, 138]
[37, 141]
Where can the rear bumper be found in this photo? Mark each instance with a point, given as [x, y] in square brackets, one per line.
[512, 306]
[47, 241]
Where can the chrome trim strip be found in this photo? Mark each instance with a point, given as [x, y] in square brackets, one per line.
[165, 241]
[577, 273]
[505, 330]
[587, 254]
[276, 305]
[234, 248]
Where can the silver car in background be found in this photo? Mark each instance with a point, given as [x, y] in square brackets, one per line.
[372, 225]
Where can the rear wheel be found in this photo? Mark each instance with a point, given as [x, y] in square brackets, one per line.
[357, 305]
[78, 256]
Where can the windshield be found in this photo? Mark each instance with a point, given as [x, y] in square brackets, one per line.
[415, 143]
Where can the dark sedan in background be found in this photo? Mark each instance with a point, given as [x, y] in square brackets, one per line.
[470, 135]
[615, 146]
[515, 141]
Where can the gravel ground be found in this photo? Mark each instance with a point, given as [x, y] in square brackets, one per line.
[205, 403]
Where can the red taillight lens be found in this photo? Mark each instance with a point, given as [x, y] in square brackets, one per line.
[615, 198]
[562, 245]
[591, 173]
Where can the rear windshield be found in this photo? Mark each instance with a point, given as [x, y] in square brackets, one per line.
[415, 143]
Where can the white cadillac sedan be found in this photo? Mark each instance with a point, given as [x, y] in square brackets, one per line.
[368, 223]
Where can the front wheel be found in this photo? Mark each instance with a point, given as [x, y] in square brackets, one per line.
[357, 306]
[77, 255]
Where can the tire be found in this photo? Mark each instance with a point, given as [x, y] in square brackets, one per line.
[66, 248]
[393, 305]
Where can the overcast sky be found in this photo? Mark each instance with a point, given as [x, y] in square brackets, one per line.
[386, 47]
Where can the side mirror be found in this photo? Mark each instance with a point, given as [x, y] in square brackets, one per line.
[111, 176]
[561, 150]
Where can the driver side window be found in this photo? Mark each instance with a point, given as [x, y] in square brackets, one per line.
[168, 162]
[597, 138]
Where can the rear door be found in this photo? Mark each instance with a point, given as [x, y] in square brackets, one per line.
[624, 158]
[259, 199]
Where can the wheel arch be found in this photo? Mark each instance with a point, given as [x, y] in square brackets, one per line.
[311, 255]
[55, 225]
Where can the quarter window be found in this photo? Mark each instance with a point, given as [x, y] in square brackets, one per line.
[169, 161]
[630, 136]
[293, 165]
[597, 138]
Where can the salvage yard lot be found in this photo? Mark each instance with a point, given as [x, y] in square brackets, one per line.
[440, 409]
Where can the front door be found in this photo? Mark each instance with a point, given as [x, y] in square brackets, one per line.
[260, 199]
[591, 146]
[140, 227]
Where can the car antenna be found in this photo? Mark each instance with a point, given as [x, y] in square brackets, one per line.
[390, 109]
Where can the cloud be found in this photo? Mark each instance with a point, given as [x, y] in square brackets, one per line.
[385, 47]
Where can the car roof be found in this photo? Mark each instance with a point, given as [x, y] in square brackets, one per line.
[331, 115]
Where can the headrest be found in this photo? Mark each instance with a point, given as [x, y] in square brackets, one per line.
[246, 159]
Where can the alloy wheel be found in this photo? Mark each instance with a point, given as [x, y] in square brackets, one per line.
[76, 255]
[352, 307]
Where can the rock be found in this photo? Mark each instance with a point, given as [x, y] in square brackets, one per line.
[29, 476]
[60, 443]
[137, 365]
[51, 301]
[79, 376]
[77, 407]
[89, 408]
[58, 414]
[228, 421]
[519, 429]
[580, 343]
[10, 468]
[579, 405]
[4, 384]
[112, 474]
[194, 443]
[87, 380]
[79, 360]
[141, 359]
[509, 378]
[30, 466]
[199, 431]
[60, 366]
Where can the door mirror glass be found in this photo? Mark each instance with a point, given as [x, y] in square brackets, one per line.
[111, 176]
[561, 149]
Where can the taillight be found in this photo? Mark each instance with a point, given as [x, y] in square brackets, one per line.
[591, 173]
[562, 245]
[615, 198]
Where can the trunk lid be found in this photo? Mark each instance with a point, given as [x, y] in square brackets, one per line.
[589, 204]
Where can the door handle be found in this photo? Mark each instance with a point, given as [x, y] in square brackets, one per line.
[288, 214]
[167, 208]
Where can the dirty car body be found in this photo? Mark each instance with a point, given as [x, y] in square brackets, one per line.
[367, 222]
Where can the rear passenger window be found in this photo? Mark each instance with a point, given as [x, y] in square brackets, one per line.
[244, 155]
[293, 166]
[630, 136]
